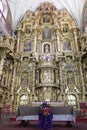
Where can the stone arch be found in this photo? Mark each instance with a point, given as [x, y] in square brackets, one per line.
[72, 99]
[23, 99]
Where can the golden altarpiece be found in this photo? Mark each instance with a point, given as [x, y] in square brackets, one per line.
[46, 59]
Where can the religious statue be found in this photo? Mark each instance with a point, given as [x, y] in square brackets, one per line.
[47, 48]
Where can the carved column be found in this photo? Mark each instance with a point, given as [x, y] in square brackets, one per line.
[1, 66]
[75, 36]
[83, 86]
[58, 40]
[33, 89]
[60, 72]
[12, 43]
[35, 38]
[18, 41]
[13, 86]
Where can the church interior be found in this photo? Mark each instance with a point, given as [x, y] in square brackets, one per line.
[43, 52]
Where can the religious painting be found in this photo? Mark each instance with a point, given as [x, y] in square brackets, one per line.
[46, 34]
[69, 66]
[70, 78]
[27, 46]
[24, 79]
[47, 75]
[66, 45]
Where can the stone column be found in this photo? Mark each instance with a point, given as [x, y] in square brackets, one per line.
[35, 38]
[83, 86]
[35, 41]
[18, 41]
[60, 72]
[12, 43]
[13, 86]
[1, 66]
[58, 40]
[33, 81]
[75, 36]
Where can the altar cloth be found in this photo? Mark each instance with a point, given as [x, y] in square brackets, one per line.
[60, 113]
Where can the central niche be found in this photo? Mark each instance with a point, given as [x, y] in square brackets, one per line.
[47, 75]
[46, 48]
[46, 34]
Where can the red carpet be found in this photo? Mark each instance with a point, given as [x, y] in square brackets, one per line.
[81, 119]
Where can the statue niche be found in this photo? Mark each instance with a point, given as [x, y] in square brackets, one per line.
[46, 48]
[65, 28]
[46, 19]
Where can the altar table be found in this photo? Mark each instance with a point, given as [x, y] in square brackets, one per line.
[60, 113]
